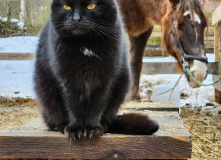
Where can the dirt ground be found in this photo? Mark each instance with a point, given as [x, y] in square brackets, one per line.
[205, 129]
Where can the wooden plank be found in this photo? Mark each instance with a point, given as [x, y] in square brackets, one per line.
[17, 56]
[107, 147]
[142, 106]
[209, 50]
[217, 96]
[216, 15]
[171, 68]
[216, 42]
[172, 141]
[217, 59]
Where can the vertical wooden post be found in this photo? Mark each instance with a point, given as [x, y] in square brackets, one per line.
[217, 57]
[216, 42]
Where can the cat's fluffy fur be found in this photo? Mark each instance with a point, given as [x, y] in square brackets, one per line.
[82, 74]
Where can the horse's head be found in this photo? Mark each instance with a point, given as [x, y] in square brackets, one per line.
[184, 25]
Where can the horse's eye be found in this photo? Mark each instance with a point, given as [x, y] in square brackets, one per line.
[179, 27]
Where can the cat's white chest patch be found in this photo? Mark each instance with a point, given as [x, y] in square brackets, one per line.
[196, 17]
[87, 52]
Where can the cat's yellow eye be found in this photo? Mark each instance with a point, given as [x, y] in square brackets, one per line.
[66, 7]
[91, 6]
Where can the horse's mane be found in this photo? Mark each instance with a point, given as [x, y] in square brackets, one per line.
[194, 6]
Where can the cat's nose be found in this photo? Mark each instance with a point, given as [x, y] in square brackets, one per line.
[76, 17]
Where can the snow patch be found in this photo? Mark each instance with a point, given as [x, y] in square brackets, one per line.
[21, 25]
[21, 44]
[190, 97]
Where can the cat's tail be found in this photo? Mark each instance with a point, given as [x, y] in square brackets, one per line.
[135, 124]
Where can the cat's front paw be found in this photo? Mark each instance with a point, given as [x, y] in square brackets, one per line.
[75, 133]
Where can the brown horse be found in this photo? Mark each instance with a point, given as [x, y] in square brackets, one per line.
[183, 24]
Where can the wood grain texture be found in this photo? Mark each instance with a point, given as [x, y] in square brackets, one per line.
[32, 141]
[216, 42]
[17, 56]
[106, 147]
[141, 106]
[216, 15]
[217, 96]
[171, 68]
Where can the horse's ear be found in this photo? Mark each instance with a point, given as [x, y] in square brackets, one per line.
[174, 2]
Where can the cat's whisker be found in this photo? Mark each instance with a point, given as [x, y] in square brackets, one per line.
[103, 32]
[107, 30]
[98, 33]
[101, 26]
[62, 32]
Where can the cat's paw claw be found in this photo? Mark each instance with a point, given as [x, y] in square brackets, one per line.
[91, 134]
[96, 132]
[70, 132]
[85, 133]
[76, 133]
[99, 132]
[80, 134]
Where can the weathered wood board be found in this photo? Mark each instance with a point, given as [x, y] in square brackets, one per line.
[17, 56]
[217, 87]
[216, 15]
[216, 22]
[171, 68]
[147, 67]
[32, 141]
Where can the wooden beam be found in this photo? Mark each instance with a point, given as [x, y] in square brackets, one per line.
[106, 147]
[171, 68]
[216, 15]
[17, 56]
[141, 106]
[216, 42]
[217, 96]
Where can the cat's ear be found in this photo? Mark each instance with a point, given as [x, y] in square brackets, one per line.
[174, 3]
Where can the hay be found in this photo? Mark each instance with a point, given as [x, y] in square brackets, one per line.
[206, 133]
[17, 112]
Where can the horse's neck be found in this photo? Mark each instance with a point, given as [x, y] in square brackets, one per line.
[155, 10]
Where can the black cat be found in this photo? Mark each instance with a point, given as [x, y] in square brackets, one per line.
[82, 74]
